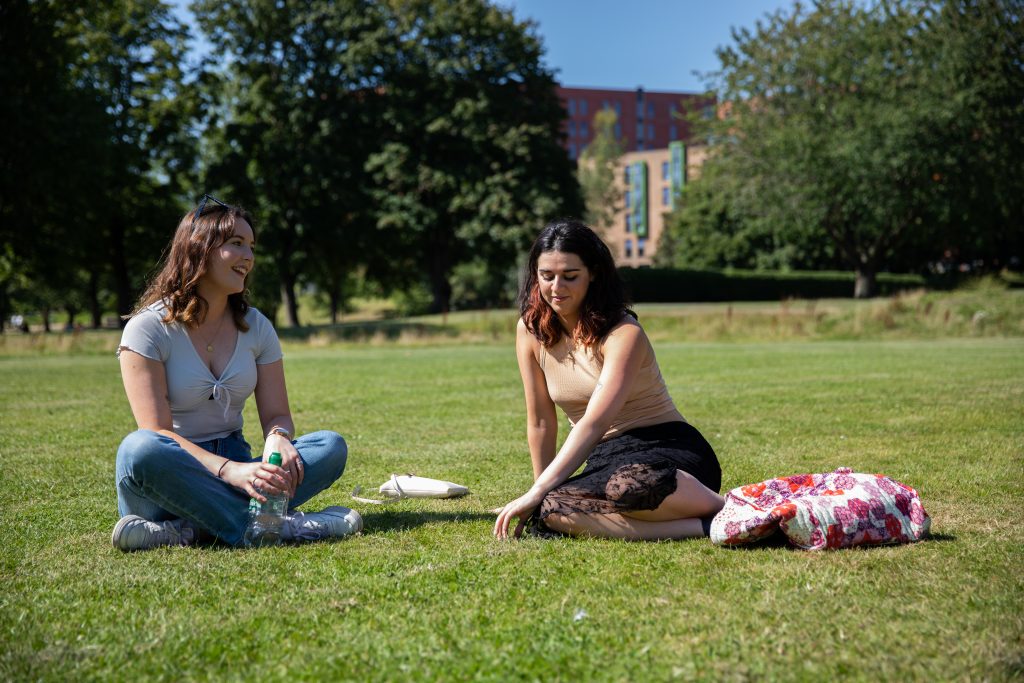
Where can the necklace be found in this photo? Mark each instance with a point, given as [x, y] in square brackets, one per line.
[209, 342]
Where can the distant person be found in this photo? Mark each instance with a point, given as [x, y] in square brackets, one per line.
[193, 351]
[649, 474]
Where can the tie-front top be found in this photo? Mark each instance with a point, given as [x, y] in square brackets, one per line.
[203, 407]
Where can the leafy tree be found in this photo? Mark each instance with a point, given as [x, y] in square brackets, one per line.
[849, 132]
[54, 139]
[288, 131]
[131, 55]
[598, 165]
[470, 164]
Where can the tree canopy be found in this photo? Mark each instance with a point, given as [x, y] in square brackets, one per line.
[407, 142]
[873, 136]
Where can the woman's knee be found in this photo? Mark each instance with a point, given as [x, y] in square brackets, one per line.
[333, 450]
[141, 450]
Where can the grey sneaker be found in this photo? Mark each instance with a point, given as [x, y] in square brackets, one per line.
[332, 522]
[135, 533]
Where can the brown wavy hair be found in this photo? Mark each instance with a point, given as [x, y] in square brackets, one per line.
[605, 302]
[176, 283]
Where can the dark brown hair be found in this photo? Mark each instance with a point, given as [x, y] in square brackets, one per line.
[605, 302]
[176, 283]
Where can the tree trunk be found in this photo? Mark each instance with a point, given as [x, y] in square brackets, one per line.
[4, 307]
[94, 300]
[119, 264]
[864, 286]
[442, 291]
[440, 288]
[334, 298]
[46, 318]
[71, 311]
[291, 304]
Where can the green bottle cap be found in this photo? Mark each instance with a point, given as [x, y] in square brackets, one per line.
[275, 459]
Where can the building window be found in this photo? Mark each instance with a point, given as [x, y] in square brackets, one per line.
[618, 109]
[639, 131]
[572, 129]
[583, 129]
[640, 247]
[618, 129]
[572, 151]
[605, 104]
[665, 196]
[650, 131]
[650, 110]
[664, 170]
[583, 107]
[673, 132]
[629, 248]
[640, 145]
[629, 222]
[639, 109]
[572, 107]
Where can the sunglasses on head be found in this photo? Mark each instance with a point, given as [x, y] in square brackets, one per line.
[202, 205]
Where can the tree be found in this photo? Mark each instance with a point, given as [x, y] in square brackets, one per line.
[598, 166]
[470, 163]
[130, 55]
[844, 129]
[290, 113]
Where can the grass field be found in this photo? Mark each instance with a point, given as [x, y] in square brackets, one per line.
[425, 593]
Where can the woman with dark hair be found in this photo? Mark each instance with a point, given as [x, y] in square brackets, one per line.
[193, 351]
[649, 474]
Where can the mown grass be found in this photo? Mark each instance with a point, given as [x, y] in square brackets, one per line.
[425, 593]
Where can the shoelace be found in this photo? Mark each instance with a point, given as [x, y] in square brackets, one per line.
[168, 534]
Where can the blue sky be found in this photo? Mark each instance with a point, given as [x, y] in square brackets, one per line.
[657, 44]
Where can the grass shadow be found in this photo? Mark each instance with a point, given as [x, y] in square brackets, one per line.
[383, 521]
[389, 330]
[779, 540]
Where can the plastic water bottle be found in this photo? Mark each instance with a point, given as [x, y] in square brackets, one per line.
[266, 519]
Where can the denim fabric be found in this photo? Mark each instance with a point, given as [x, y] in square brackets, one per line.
[158, 480]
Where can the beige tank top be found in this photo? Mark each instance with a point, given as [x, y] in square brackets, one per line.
[571, 375]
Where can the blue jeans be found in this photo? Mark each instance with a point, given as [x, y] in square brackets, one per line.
[158, 480]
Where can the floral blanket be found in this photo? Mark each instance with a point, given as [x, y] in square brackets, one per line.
[837, 509]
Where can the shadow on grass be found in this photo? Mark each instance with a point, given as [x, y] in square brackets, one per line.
[383, 521]
[358, 331]
[779, 540]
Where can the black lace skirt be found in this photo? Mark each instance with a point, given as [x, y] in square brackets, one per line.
[633, 471]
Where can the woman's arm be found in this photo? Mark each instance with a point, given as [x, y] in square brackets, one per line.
[145, 383]
[272, 406]
[624, 351]
[541, 418]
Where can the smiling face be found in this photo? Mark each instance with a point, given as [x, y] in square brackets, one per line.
[229, 264]
[563, 280]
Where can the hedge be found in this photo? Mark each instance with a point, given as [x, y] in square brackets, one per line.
[672, 285]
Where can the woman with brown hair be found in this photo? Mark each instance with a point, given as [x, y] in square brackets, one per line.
[649, 474]
[193, 351]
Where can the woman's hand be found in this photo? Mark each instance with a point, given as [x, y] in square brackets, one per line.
[521, 507]
[257, 478]
[290, 459]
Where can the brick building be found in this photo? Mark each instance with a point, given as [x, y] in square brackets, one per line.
[649, 182]
[647, 119]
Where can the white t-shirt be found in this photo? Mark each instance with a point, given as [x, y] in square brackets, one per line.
[203, 407]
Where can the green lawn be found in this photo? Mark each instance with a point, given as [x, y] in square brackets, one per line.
[427, 594]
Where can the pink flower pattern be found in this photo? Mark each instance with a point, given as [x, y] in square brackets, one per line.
[839, 509]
